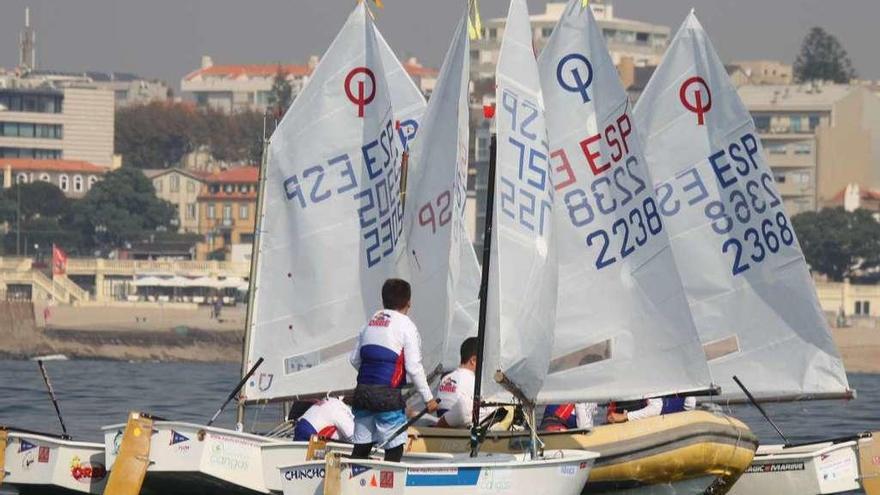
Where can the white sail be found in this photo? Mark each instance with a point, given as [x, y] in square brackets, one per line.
[521, 301]
[406, 98]
[443, 266]
[331, 221]
[623, 326]
[744, 273]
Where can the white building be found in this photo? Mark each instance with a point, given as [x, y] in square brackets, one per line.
[232, 88]
[643, 42]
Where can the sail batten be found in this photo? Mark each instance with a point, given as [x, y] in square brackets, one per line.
[747, 283]
[623, 327]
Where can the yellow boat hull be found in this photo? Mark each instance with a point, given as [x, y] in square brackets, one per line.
[664, 450]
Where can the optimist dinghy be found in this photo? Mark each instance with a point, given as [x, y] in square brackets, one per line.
[41, 463]
[745, 275]
[561, 472]
[309, 249]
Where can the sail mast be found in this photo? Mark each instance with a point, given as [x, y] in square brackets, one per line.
[255, 255]
[484, 290]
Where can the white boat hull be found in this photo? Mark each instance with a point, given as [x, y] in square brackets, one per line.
[42, 464]
[194, 459]
[807, 470]
[558, 473]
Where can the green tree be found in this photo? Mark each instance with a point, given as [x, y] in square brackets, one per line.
[121, 208]
[823, 58]
[281, 95]
[839, 243]
[157, 134]
[36, 199]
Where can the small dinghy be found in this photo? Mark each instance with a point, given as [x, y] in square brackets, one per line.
[561, 472]
[45, 464]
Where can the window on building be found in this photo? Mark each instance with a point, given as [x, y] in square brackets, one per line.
[858, 307]
[814, 122]
[795, 123]
[546, 32]
[803, 149]
[227, 211]
[779, 177]
[762, 123]
[175, 183]
[16, 101]
[92, 180]
[243, 212]
[77, 183]
[191, 211]
[642, 38]
[158, 185]
[63, 182]
[493, 33]
[866, 307]
[40, 154]
[190, 186]
[45, 177]
[21, 178]
[211, 213]
[776, 148]
[229, 188]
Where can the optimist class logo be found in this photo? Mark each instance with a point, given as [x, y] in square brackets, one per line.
[580, 81]
[696, 105]
[357, 92]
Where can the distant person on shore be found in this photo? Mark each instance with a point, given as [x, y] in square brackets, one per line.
[388, 349]
[218, 307]
[330, 419]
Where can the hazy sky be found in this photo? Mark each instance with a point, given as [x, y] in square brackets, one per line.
[166, 38]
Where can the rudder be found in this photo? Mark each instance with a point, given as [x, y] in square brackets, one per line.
[130, 468]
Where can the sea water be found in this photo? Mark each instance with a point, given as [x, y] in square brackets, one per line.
[93, 394]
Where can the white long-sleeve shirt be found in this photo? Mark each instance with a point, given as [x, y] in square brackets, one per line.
[330, 418]
[388, 348]
[456, 394]
[654, 408]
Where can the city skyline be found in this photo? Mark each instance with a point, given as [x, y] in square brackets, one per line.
[165, 39]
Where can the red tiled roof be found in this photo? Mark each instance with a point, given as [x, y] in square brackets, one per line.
[864, 193]
[30, 164]
[237, 175]
[250, 70]
[417, 70]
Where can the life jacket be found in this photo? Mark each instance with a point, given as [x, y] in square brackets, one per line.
[559, 417]
[672, 404]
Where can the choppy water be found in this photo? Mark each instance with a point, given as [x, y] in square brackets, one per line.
[97, 393]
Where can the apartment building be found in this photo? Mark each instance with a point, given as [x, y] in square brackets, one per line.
[41, 121]
[233, 88]
[181, 188]
[818, 138]
[227, 207]
[642, 42]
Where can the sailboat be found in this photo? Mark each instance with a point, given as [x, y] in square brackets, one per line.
[744, 273]
[329, 231]
[623, 329]
[513, 320]
[39, 463]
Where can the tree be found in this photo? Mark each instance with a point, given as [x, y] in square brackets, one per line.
[121, 208]
[823, 58]
[281, 95]
[157, 134]
[36, 199]
[839, 243]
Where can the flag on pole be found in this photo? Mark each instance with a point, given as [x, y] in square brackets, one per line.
[59, 261]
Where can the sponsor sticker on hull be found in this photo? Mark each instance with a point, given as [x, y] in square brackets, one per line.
[87, 472]
[775, 467]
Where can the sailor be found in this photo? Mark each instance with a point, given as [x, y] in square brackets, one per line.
[646, 408]
[456, 390]
[330, 419]
[388, 349]
[560, 417]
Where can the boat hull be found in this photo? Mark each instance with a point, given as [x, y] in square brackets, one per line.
[818, 468]
[559, 473]
[43, 464]
[682, 451]
[188, 458]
